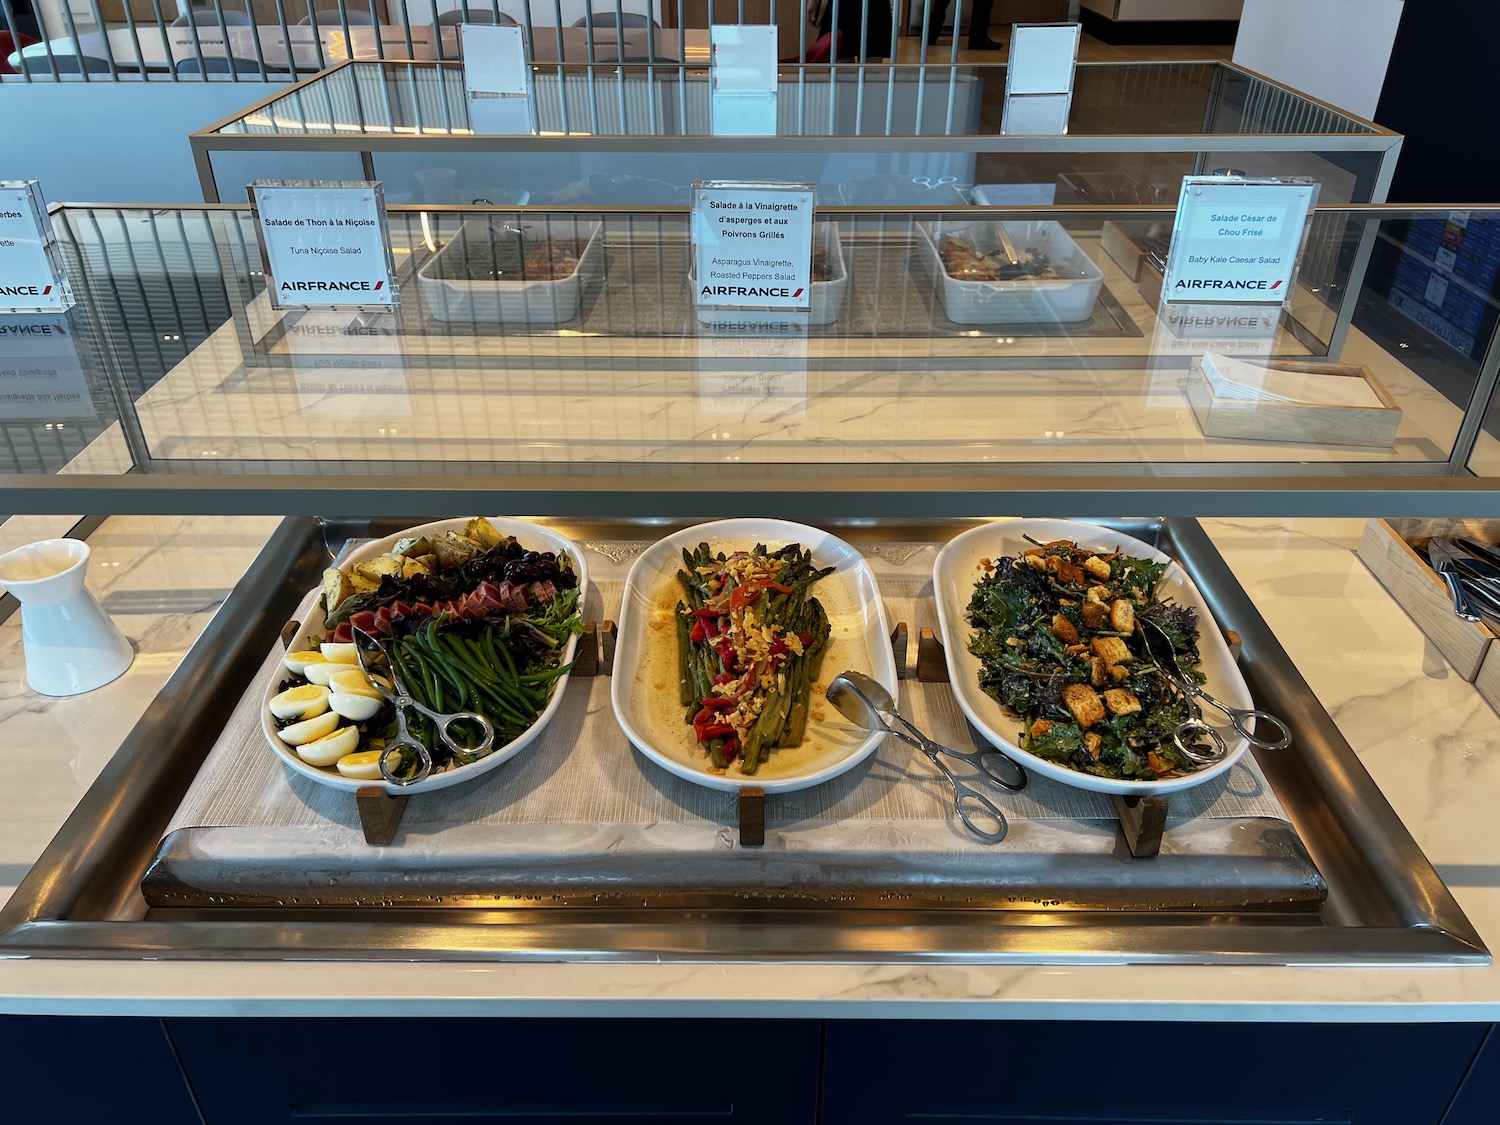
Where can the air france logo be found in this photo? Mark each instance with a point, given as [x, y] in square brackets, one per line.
[330, 286]
[1221, 284]
[747, 291]
[32, 330]
[24, 290]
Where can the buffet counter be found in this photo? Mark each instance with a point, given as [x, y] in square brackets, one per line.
[1424, 734]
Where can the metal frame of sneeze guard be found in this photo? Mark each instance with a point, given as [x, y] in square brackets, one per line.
[1436, 483]
[371, 111]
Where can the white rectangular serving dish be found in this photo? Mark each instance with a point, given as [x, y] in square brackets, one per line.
[825, 301]
[522, 302]
[1065, 300]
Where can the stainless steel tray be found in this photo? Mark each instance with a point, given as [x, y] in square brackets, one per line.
[1384, 902]
[582, 819]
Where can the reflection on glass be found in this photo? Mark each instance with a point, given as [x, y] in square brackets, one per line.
[569, 340]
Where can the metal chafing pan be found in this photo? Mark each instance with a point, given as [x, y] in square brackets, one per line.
[1384, 903]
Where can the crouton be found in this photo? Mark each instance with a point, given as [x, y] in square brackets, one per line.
[1064, 630]
[1122, 615]
[1095, 615]
[1036, 562]
[1112, 650]
[1074, 650]
[1097, 594]
[1121, 701]
[1097, 567]
[1158, 764]
[1099, 672]
[1041, 727]
[1093, 744]
[1119, 673]
[1084, 704]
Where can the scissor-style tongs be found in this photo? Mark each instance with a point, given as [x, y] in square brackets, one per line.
[1188, 736]
[382, 673]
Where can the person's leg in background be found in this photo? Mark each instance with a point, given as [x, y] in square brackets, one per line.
[979, 27]
[979, 24]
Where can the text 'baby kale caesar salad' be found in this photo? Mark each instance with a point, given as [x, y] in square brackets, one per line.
[1059, 647]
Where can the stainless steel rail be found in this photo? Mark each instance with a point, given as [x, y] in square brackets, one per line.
[859, 492]
[1386, 904]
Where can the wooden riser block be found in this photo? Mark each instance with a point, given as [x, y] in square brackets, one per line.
[752, 809]
[379, 814]
[1142, 821]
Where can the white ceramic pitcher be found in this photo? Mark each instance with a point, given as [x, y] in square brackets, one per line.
[71, 644]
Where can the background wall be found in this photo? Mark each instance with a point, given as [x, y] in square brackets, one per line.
[114, 142]
[1336, 50]
[1439, 93]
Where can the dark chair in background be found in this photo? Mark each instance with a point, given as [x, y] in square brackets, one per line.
[42, 67]
[476, 15]
[218, 64]
[608, 19]
[207, 17]
[356, 17]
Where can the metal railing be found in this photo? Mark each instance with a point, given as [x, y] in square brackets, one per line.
[283, 40]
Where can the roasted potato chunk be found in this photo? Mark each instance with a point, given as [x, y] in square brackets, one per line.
[376, 569]
[411, 546]
[453, 549]
[483, 532]
[336, 587]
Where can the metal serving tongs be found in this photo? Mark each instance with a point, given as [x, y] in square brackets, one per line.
[1187, 736]
[866, 703]
[367, 648]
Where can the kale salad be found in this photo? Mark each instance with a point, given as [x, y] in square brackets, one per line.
[1056, 637]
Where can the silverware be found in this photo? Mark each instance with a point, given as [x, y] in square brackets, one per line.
[1186, 736]
[1467, 561]
[367, 648]
[1007, 245]
[1473, 596]
[1486, 551]
[865, 703]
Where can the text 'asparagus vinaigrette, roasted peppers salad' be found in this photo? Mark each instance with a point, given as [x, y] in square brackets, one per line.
[750, 642]
[471, 621]
[1058, 646]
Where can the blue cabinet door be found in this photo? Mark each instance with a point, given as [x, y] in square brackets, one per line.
[516, 1071]
[1478, 1100]
[1074, 1073]
[56, 1069]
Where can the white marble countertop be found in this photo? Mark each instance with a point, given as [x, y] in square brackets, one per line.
[1429, 739]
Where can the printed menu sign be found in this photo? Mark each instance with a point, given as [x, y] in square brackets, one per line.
[31, 276]
[324, 244]
[752, 245]
[1236, 240]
